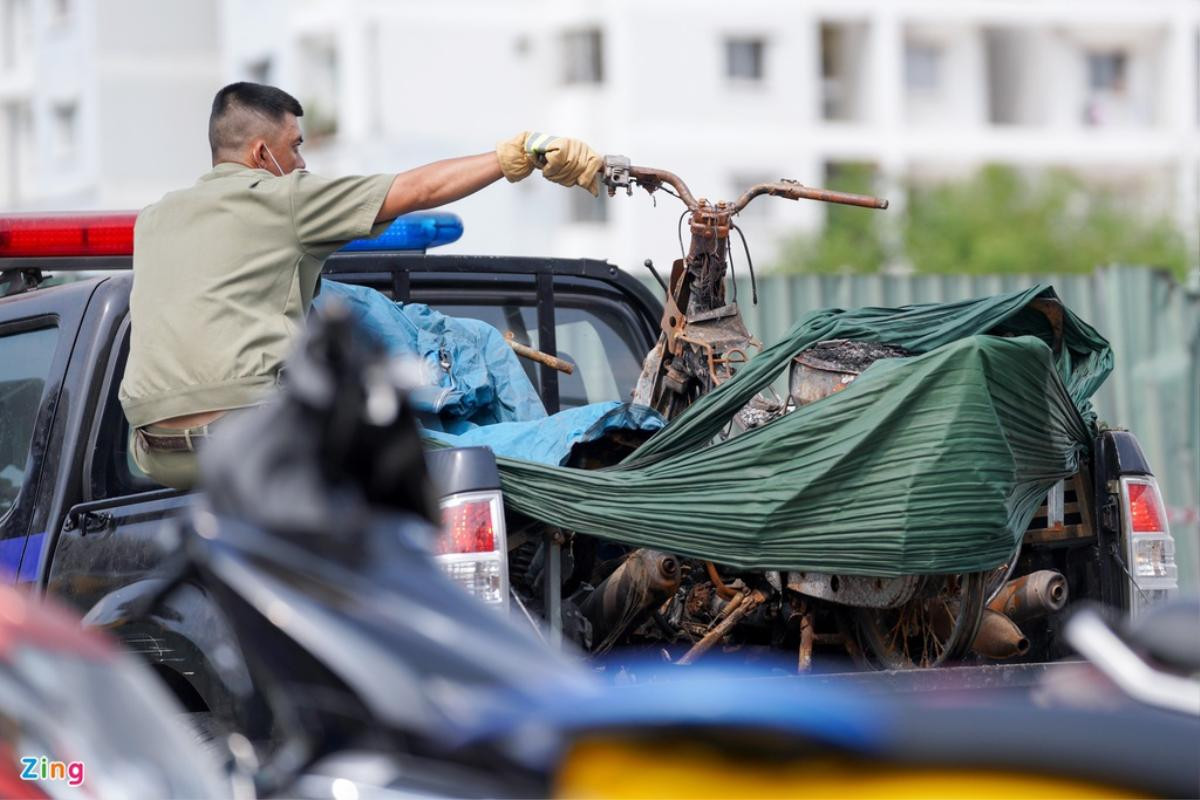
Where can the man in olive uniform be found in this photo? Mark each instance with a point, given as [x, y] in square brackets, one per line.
[225, 271]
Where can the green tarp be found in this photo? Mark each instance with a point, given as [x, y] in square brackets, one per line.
[926, 464]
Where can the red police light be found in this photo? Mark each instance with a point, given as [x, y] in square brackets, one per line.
[65, 235]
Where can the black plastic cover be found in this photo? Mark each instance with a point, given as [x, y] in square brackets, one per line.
[462, 469]
[1121, 454]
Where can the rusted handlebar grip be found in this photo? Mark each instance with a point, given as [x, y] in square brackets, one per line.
[845, 198]
[525, 351]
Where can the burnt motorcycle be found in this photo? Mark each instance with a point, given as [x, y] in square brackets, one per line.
[682, 608]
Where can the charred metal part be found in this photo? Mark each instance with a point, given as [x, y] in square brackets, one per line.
[999, 637]
[703, 337]
[830, 366]
[775, 579]
[1052, 308]
[714, 576]
[804, 658]
[938, 625]
[855, 590]
[738, 608]
[1033, 595]
[641, 583]
[697, 600]
[525, 351]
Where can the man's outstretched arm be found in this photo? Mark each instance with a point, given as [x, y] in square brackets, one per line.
[569, 162]
[439, 183]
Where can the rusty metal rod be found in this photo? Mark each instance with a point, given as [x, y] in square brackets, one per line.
[525, 351]
[649, 177]
[722, 590]
[804, 661]
[740, 606]
[792, 190]
[797, 191]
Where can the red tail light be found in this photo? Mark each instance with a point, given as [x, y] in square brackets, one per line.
[63, 235]
[1145, 508]
[472, 548]
[1149, 546]
[467, 528]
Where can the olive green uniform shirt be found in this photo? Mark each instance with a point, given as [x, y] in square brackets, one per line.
[224, 273]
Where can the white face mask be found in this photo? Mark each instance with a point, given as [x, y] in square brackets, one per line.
[276, 163]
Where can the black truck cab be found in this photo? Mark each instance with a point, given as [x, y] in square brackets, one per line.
[78, 520]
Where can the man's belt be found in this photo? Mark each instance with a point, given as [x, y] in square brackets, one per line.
[185, 440]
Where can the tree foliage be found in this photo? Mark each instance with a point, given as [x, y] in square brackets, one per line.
[998, 221]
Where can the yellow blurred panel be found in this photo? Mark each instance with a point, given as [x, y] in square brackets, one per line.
[622, 769]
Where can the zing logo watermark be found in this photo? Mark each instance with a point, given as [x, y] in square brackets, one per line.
[43, 769]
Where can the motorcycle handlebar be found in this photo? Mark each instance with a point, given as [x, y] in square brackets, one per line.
[619, 173]
[793, 190]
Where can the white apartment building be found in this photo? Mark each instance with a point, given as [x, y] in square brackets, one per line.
[104, 103]
[727, 94]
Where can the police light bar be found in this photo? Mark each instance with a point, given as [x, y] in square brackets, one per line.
[419, 230]
[66, 235]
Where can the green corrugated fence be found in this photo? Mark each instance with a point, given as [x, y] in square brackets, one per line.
[1152, 322]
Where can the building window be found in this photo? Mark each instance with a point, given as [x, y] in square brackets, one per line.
[259, 71]
[922, 67]
[1106, 71]
[843, 64]
[744, 59]
[1109, 102]
[319, 68]
[16, 33]
[583, 56]
[65, 125]
[588, 209]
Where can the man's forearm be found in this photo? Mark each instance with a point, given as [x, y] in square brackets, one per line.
[439, 183]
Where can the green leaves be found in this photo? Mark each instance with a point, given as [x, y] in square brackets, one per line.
[998, 221]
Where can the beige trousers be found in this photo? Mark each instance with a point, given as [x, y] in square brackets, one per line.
[175, 468]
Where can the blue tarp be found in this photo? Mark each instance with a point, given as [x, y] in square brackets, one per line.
[480, 378]
[551, 440]
[483, 396]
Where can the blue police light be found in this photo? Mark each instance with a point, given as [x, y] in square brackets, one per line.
[419, 230]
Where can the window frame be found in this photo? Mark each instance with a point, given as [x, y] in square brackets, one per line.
[32, 467]
[99, 475]
[573, 38]
[756, 43]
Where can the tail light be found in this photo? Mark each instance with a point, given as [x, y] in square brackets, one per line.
[1149, 546]
[472, 547]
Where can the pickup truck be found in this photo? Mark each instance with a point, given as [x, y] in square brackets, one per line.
[78, 521]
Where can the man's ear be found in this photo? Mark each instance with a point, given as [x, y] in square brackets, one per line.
[258, 153]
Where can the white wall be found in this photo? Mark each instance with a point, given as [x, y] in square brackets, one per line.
[140, 75]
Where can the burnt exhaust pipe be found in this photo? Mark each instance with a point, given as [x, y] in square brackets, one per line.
[1033, 595]
[643, 581]
[999, 637]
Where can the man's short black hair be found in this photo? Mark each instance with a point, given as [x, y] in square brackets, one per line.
[236, 107]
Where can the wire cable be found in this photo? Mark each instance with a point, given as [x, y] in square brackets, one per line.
[749, 263]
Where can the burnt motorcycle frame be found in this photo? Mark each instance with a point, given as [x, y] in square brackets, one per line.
[703, 341]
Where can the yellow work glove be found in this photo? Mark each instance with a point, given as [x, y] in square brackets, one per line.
[569, 162]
